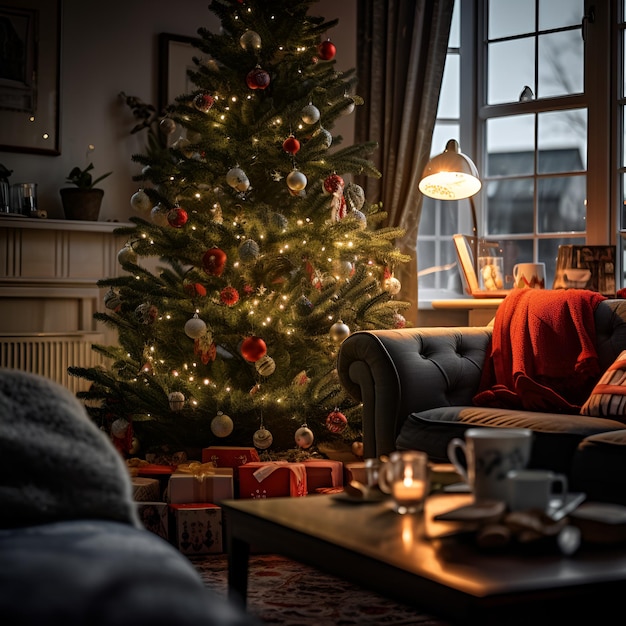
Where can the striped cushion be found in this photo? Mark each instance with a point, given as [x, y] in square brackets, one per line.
[608, 397]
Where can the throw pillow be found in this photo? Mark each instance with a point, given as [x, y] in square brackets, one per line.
[608, 397]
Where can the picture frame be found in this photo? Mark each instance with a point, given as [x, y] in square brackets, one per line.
[30, 38]
[176, 54]
[589, 267]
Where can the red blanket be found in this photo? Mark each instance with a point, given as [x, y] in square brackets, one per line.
[542, 355]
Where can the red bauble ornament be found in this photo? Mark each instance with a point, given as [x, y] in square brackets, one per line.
[326, 50]
[291, 145]
[336, 422]
[214, 261]
[257, 78]
[229, 296]
[253, 348]
[333, 183]
[203, 102]
[195, 289]
[177, 217]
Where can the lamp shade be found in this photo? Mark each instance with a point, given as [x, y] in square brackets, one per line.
[450, 175]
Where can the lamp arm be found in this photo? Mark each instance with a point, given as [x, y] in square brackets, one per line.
[474, 233]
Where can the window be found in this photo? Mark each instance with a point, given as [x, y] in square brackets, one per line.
[533, 95]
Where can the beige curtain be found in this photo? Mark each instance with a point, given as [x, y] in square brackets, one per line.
[400, 60]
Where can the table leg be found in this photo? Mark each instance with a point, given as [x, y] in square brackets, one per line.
[238, 555]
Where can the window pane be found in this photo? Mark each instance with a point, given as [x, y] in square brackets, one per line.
[562, 141]
[441, 134]
[510, 145]
[511, 17]
[562, 204]
[511, 66]
[559, 13]
[510, 206]
[560, 64]
[449, 103]
[454, 40]
[515, 251]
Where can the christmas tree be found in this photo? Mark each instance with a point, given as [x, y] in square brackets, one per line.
[265, 256]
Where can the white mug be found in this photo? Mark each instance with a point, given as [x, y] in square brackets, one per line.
[535, 489]
[529, 275]
[490, 454]
[406, 477]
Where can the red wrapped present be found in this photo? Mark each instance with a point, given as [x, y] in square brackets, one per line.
[212, 485]
[154, 517]
[323, 473]
[272, 479]
[229, 456]
[197, 528]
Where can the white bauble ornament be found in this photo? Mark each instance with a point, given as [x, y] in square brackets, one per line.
[250, 40]
[296, 180]
[262, 439]
[310, 114]
[158, 215]
[237, 179]
[327, 138]
[350, 108]
[195, 327]
[140, 201]
[392, 285]
[222, 425]
[355, 196]
[176, 400]
[127, 255]
[119, 428]
[265, 366]
[304, 437]
[339, 331]
[359, 216]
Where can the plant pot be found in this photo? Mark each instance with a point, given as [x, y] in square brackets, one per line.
[81, 204]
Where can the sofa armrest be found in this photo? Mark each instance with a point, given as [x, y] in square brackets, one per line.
[397, 372]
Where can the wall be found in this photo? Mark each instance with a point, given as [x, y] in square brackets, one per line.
[112, 46]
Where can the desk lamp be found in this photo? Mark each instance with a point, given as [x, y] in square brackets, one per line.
[452, 175]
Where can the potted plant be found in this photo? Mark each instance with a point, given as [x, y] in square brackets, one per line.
[82, 202]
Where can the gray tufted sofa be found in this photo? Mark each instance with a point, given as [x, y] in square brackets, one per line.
[417, 384]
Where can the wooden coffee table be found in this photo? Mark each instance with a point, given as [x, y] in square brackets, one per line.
[374, 547]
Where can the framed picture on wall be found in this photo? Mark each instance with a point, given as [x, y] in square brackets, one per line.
[30, 35]
[586, 267]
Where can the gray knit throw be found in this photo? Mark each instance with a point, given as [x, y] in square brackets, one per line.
[54, 462]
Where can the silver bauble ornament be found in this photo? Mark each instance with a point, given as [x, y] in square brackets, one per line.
[127, 255]
[222, 425]
[237, 179]
[119, 428]
[310, 114]
[195, 327]
[339, 331]
[140, 201]
[158, 215]
[265, 366]
[250, 40]
[350, 108]
[392, 285]
[249, 251]
[304, 437]
[262, 439]
[112, 300]
[355, 196]
[279, 221]
[327, 138]
[296, 180]
[167, 125]
[176, 400]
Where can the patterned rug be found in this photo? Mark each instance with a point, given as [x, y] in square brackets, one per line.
[281, 591]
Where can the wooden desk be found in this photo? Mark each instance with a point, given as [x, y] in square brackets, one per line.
[480, 311]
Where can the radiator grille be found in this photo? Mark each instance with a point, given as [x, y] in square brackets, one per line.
[50, 354]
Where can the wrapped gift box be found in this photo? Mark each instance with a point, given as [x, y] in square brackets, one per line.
[229, 456]
[197, 528]
[323, 473]
[214, 485]
[154, 517]
[272, 479]
[146, 489]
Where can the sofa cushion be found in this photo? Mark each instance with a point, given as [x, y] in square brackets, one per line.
[608, 397]
[555, 436]
[599, 467]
